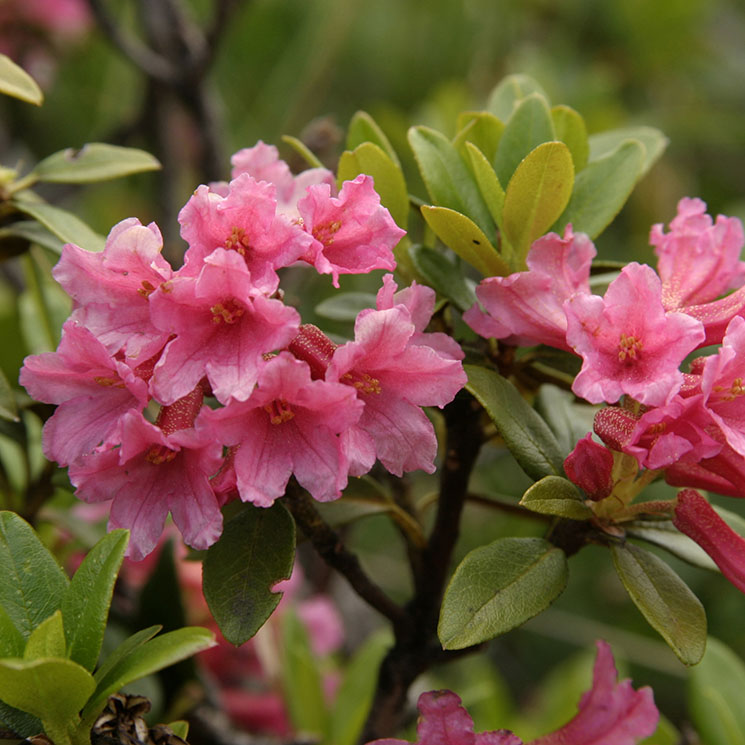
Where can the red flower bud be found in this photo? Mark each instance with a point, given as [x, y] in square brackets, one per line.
[590, 466]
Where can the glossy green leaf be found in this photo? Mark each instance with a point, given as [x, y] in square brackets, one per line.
[570, 128]
[47, 639]
[303, 151]
[554, 495]
[529, 126]
[715, 688]
[509, 92]
[465, 238]
[442, 275]
[389, 179]
[8, 407]
[85, 606]
[664, 600]
[536, 195]
[12, 642]
[66, 226]
[33, 232]
[345, 306]
[95, 161]
[481, 129]
[32, 584]
[126, 648]
[20, 722]
[526, 435]
[602, 188]
[255, 551]
[448, 179]
[16, 82]
[498, 587]
[664, 534]
[654, 141]
[488, 183]
[363, 128]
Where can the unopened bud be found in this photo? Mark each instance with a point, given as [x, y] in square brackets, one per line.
[590, 466]
[313, 346]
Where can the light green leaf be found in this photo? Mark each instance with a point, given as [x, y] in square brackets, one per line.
[602, 188]
[32, 584]
[488, 183]
[715, 689]
[95, 161]
[664, 534]
[363, 128]
[47, 639]
[303, 151]
[509, 92]
[481, 129]
[16, 82]
[66, 226]
[536, 195]
[345, 306]
[554, 495]
[529, 126]
[126, 648]
[255, 551]
[8, 407]
[463, 236]
[664, 600]
[85, 606]
[570, 129]
[527, 436]
[180, 728]
[666, 734]
[498, 587]
[442, 275]
[568, 420]
[654, 141]
[33, 232]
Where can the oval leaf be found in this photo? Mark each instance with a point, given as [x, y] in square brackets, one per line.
[571, 130]
[554, 495]
[47, 639]
[443, 276]
[255, 551]
[664, 600]
[345, 306]
[498, 587]
[481, 129]
[363, 128]
[654, 141]
[664, 534]
[16, 82]
[509, 92]
[487, 181]
[63, 224]
[527, 436]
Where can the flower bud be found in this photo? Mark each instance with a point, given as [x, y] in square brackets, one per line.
[590, 466]
[313, 346]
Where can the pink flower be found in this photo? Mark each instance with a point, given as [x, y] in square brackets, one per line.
[528, 307]
[590, 466]
[221, 330]
[628, 343]
[352, 233]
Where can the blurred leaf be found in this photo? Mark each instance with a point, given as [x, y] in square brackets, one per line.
[180, 728]
[509, 92]
[66, 226]
[255, 551]
[488, 183]
[481, 129]
[463, 236]
[8, 407]
[568, 420]
[33, 232]
[85, 606]
[497, 587]
[602, 188]
[666, 734]
[345, 306]
[715, 689]
[448, 180]
[554, 495]
[388, 177]
[16, 82]
[664, 600]
[126, 648]
[32, 584]
[664, 534]
[570, 128]
[529, 126]
[527, 436]
[47, 639]
[363, 128]
[95, 161]
[303, 151]
[442, 275]
[536, 195]
[654, 141]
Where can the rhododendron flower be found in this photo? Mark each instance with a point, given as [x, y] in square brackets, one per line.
[527, 307]
[628, 342]
[590, 466]
[610, 713]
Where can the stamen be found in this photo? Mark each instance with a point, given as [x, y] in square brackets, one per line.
[325, 233]
[146, 289]
[159, 454]
[363, 382]
[228, 312]
[279, 411]
[237, 241]
[629, 348]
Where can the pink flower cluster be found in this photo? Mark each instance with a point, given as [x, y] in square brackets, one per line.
[145, 345]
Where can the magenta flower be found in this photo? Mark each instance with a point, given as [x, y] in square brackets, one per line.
[221, 330]
[352, 233]
[629, 343]
[528, 307]
[590, 466]
[93, 391]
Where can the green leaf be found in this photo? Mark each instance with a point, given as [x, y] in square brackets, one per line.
[463, 236]
[12, 642]
[448, 179]
[66, 226]
[664, 534]
[488, 183]
[16, 82]
[363, 128]
[497, 587]
[570, 129]
[536, 195]
[303, 151]
[481, 129]
[527, 436]
[529, 126]
[8, 407]
[554, 495]
[126, 648]
[568, 420]
[388, 177]
[85, 606]
[345, 306]
[180, 728]
[442, 275]
[715, 689]
[95, 161]
[510, 91]
[654, 141]
[664, 600]
[255, 551]
[47, 639]
[602, 188]
[33, 232]
[32, 584]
